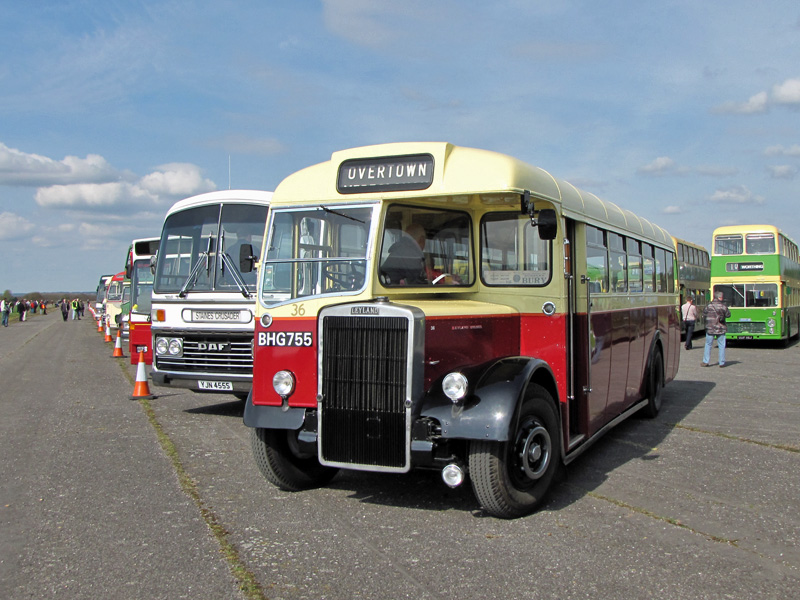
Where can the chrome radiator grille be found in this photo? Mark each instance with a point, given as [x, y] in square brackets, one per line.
[364, 374]
[226, 353]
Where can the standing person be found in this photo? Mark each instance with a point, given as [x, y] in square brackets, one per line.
[715, 315]
[689, 316]
[5, 307]
[64, 309]
[21, 308]
[74, 309]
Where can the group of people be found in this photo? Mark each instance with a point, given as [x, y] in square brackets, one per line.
[715, 315]
[74, 307]
[21, 307]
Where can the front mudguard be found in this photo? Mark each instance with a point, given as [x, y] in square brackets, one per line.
[490, 408]
[272, 417]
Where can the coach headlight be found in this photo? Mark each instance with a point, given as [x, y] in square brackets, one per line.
[455, 386]
[162, 345]
[283, 383]
[175, 347]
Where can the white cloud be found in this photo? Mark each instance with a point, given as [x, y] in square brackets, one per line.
[664, 165]
[90, 195]
[660, 166]
[176, 180]
[672, 210]
[755, 105]
[376, 23]
[787, 92]
[166, 184]
[782, 171]
[737, 194]
[21, 168]
[781, 151]
[13, 226]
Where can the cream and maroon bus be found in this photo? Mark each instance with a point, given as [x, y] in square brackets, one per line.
[422, 305]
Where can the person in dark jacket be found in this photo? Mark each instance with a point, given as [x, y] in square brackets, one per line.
[715, 315]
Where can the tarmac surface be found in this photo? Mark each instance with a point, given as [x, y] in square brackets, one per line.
[701, 502]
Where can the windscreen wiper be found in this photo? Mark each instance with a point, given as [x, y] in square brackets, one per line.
[237, 277]
[191, 280]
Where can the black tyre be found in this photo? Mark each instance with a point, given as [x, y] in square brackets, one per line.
[510, 479]
[655, 386]
[281, 461]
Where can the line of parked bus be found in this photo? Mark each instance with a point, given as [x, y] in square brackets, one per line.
[424, 305]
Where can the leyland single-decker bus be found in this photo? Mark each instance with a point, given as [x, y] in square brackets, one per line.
[694, 278]
[203, 298]
[423, 305]
[756, 269]
[139, 270]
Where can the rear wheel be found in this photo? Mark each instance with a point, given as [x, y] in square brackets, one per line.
[655, 385]
[281, 460]
[510, 479]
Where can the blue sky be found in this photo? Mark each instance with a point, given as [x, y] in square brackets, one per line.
[686, 112]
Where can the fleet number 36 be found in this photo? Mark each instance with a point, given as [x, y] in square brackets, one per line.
[285, 338]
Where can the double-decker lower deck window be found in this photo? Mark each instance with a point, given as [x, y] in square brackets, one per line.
[749, 295]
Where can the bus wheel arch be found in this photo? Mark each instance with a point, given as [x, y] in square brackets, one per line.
[283, 463]
[511, 478]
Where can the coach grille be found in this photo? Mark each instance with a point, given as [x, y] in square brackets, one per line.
[230, 354]
[364, 375]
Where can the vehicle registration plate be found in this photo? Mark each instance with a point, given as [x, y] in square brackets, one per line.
[219, 386]
[207, 316]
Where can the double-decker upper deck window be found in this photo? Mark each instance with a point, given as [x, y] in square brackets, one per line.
[512, 252]
[423, 246]
[728, 245]
[760, 243]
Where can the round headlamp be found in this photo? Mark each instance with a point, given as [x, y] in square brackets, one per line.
[175, 347]
[161, 346]
[283, 383]
[455, 386]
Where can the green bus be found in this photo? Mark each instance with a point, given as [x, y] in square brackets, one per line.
[756, 268]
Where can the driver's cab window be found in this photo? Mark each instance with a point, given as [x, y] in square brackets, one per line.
[422, 247]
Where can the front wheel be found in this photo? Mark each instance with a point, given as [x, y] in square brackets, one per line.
[281, 460]
[510, 479]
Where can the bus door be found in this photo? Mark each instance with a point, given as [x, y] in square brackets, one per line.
[577, 378]
[591, 334]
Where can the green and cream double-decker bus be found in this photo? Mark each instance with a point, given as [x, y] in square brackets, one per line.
[756, 268]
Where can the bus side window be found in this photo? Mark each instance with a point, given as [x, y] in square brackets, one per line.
[596, 260]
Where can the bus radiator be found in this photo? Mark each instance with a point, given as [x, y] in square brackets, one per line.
[364, 373]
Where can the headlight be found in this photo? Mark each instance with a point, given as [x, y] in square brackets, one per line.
[283, 383]
[770, 322]
[161, 345]
[176, 346]
[454, 386]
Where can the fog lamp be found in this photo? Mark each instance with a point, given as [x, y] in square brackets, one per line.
[283, 383]
[453, 475]
[455, 386]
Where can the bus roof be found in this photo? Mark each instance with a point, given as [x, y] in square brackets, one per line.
[119, 276]
[239, 196]
[466, 172]
[730, 229]
[688, 243]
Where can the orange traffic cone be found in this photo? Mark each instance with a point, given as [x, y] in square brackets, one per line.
[108, 333]
[118, 346]
[100, 325]
[141, 389]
